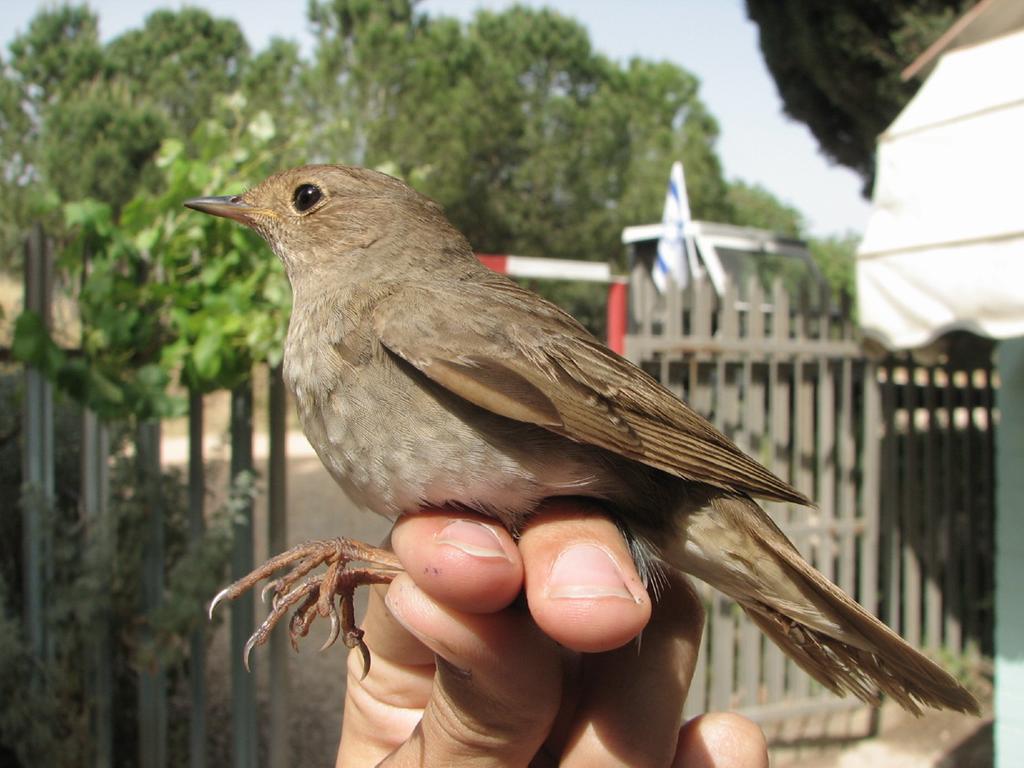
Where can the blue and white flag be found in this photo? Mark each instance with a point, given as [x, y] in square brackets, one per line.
[674, 259]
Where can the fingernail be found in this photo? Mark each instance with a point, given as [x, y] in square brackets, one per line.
[586, 570]
[473, 538]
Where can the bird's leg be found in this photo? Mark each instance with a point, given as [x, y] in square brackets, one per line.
[313, 596]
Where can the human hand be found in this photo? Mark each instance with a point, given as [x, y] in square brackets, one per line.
[461, 676]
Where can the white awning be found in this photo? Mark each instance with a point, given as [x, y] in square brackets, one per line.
[944, 246]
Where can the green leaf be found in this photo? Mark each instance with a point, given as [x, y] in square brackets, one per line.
[33, 345]
[153, 377]
[206, 354]
[46, 201]
[147, 238]
[170, 149]
[199, 175]
[103, 392]
[88, 213]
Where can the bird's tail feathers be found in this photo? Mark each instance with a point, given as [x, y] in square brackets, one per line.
[735, 547]
[909, 678]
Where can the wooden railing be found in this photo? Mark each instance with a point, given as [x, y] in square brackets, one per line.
[896, 454]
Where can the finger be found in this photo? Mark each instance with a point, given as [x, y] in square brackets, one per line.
[631, 705]
[469, 562]
[383, 707]
[497, 687]
[581, 585]
[721, 740]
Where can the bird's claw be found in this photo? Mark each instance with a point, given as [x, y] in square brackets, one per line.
[354, 639]
[335, 629]
[247, 651]
[270, 585]
[313, 595]
[217, 599]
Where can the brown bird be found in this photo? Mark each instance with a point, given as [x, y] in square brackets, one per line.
[424, 379]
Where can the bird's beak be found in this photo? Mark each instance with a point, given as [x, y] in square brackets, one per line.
[228, 206]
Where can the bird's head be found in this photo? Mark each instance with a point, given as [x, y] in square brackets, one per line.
[316, 215]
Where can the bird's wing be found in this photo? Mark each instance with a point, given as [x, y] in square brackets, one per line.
[504, 349]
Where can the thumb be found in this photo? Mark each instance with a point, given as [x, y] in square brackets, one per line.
[497, 687]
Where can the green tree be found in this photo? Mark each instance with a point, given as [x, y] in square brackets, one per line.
[59, 52]
[274, 80]
[180, 62]
[167, 292]
[17, 202]
[50, 76]
[56, 56]
[360, 54]
[754, 206]
[98, 143]
[665, 121]
[522, 180]
[837, 65]
[532, 141]
[82, 120]
[836, 257]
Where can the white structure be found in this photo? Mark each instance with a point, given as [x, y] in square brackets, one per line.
[725, 250]
[944, 246]
[944, 249]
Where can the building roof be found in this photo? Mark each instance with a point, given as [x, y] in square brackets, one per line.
[985, 20]
[944, 245]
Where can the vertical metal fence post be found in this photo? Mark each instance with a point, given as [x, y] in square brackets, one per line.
[1009, 629]
[99, 551]
[38, 479]
[196, 527]
[243, 684]
[870, 499]
[278, 540]
[152, 677]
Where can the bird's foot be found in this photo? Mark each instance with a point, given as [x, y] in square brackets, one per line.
[313, 596]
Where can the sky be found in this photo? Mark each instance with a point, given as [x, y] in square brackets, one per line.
[713, 39]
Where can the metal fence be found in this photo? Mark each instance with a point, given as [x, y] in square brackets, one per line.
[937, 502]
[38, 493]
[897, 455]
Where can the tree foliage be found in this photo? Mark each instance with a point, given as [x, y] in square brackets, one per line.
[58, 53]
[754, 206]
[46, 66]
[532, 141]
[163, 292]
[836, 257]
[837, 65]
[180, 62]
[85, 120]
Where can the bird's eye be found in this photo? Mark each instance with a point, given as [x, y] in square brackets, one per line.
[306, 196]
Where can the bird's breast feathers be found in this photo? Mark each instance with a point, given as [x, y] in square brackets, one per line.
[396, 443]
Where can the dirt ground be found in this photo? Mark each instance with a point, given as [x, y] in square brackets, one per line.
[318, 509]
[936, 740]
